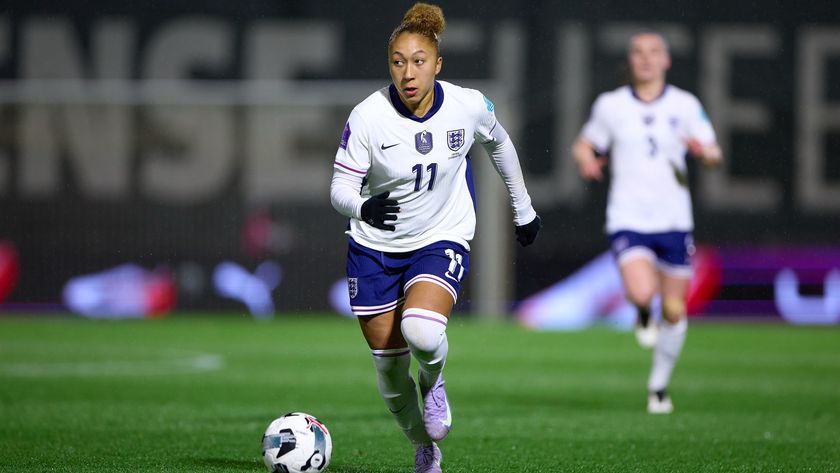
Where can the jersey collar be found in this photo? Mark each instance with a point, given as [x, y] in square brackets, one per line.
[404, 111]
[661, 94]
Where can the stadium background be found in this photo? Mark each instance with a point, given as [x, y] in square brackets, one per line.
[178, 135]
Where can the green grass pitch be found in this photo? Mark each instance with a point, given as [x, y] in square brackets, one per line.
[194, 394]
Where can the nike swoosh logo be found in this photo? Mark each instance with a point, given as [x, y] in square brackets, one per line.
[448, 421]
[398, 410]
[382, 146]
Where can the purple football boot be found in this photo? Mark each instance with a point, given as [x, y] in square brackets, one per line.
[437, 416]
[427, 459]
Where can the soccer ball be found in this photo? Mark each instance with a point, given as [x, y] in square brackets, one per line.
[296, 443]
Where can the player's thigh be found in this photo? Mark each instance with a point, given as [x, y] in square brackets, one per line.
[675, 250]
[639, 276]
[382, 331]
[636, 261]
[429, 296]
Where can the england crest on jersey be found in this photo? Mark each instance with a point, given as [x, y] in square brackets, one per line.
[423, 142]
[353, 287]
[455, 139]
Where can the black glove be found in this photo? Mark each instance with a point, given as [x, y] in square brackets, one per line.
[526, 234]
[378, 209]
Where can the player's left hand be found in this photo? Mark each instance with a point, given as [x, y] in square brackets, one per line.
[695, 147]
[710, 155]
[526, 234]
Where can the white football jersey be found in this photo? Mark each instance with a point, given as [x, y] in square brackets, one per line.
[423, 162]
[646, 142]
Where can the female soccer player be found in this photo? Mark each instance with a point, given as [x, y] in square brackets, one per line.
[647, 127]
[403, 177]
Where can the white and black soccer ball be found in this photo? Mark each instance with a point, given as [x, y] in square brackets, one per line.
[296, 443]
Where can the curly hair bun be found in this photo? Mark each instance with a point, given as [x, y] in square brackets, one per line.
[423, 19]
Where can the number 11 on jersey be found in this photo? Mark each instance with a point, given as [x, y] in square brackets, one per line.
[418, 180]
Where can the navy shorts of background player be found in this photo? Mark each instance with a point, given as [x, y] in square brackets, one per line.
[671, 251]
[378, 280]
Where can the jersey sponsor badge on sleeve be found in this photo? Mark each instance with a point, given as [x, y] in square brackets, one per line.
[345, 136]
[490, 106]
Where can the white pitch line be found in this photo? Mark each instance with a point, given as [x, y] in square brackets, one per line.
[201, 362]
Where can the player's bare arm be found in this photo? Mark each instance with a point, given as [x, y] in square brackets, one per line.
[590, 166]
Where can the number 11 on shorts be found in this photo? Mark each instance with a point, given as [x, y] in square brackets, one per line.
[456, 268]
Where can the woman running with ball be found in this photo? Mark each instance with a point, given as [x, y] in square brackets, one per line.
[403, 176]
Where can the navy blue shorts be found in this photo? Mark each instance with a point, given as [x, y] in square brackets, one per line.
[378, 280]
[670, 250]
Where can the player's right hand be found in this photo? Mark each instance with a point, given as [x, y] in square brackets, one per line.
[592, 169]
[379, 209]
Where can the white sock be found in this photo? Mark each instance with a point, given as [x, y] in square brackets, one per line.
[668, 349]
[400, 393]
[425, 332]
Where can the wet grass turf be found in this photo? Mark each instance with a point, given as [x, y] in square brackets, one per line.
[194, 394]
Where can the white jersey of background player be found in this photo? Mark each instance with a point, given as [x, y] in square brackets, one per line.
[411, 157]
[646, 128]
[647, 143]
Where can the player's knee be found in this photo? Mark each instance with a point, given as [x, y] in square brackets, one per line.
[640, 296]
[673, 309]
[423, 330]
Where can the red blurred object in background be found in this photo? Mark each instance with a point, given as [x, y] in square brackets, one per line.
[161, 295]
[125, 291]
[9, 269]
[707, 280]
